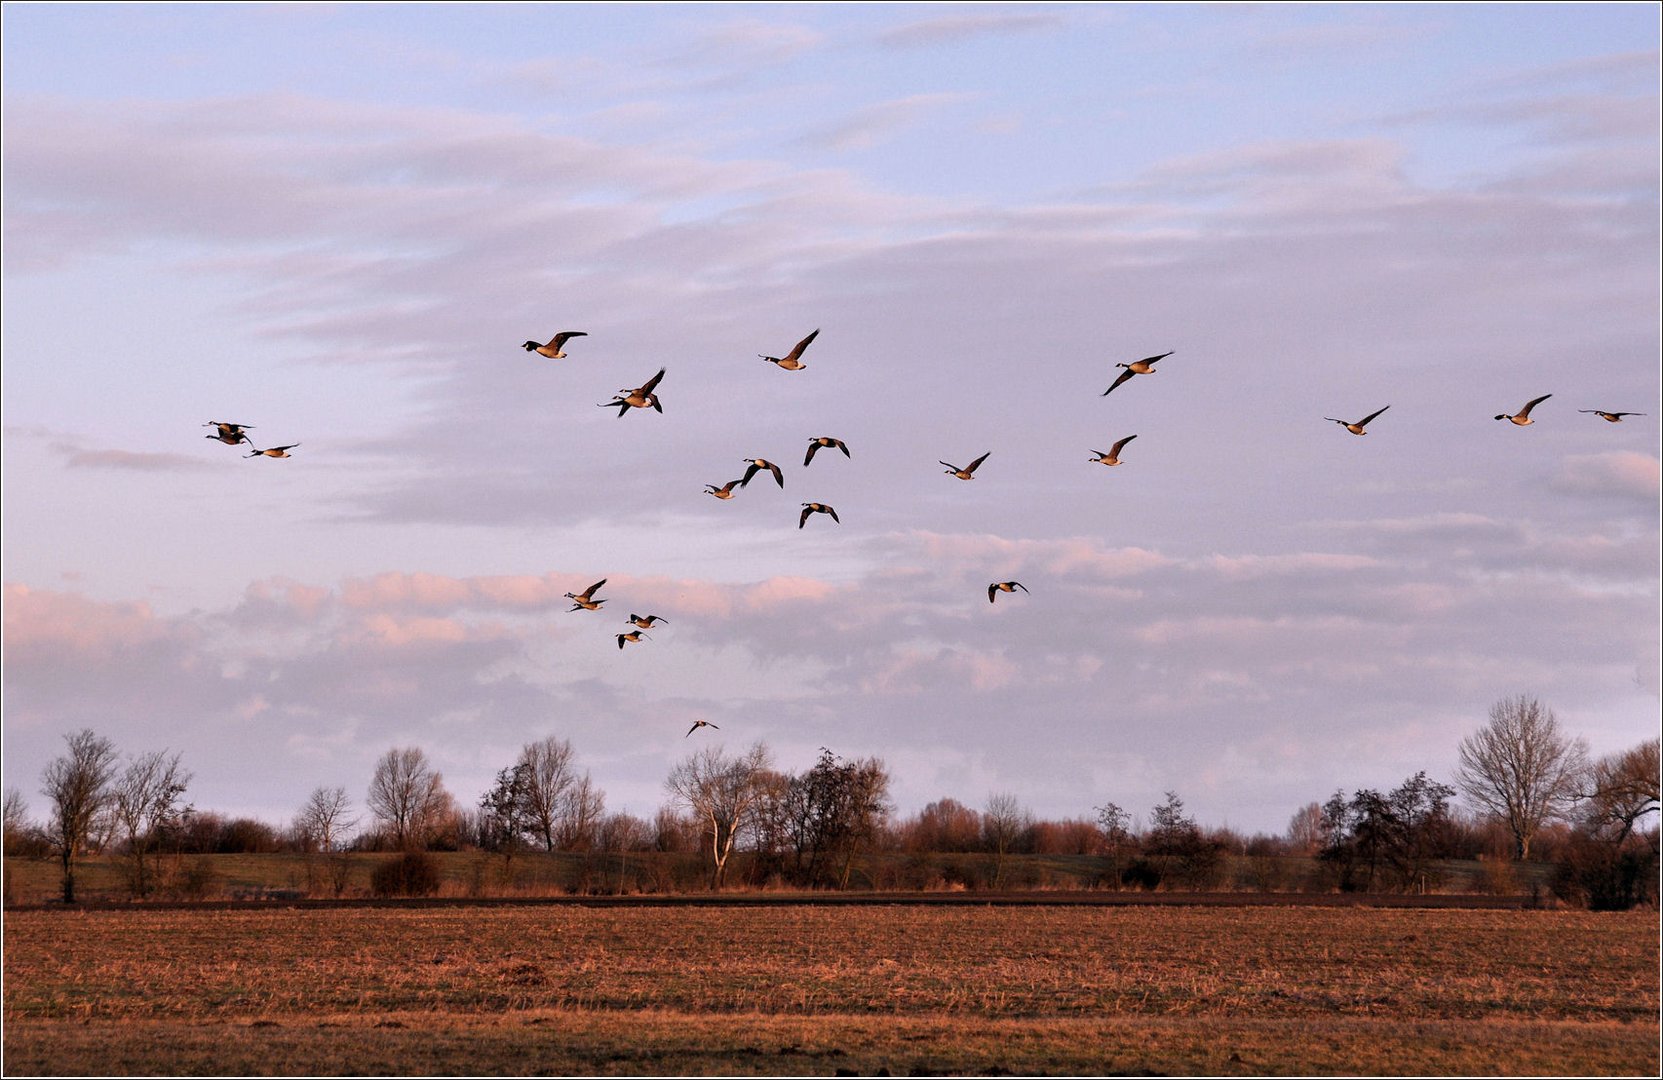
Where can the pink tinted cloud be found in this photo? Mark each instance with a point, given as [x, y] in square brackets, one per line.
[1246, 567]
[392, 631]
[43, 619]
[307, 601]
[400, 590]
[911, 669]
[1621, 472]
[1238, 628]
[1070, 555]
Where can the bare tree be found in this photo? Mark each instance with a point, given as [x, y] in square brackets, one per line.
[17, 822]
[578, 826]
[548, 777]
[146, 804]
[78, 785]
[408, 797]
[1306, 832]
[325, 819]
[945, 825]
[1003, 821]
[1623, 789]
[829, 812]
[1117, 840]
[1521, 768]
[723, 793]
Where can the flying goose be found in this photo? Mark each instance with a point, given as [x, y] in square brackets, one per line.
[1113, 456]
[966, 473]
[789, 361]
[723, 492]
[586, 599]
[642, 397]
[634, 637]
[230, 434]
[817, 508]
[1357, 427]
[271, 451]
[697, 724]
[756, 466]
[1523, 416]
[1004, 586]
[823, 441]
[1609, 417]
[1146, 366]
[645, 621]
[556, 343]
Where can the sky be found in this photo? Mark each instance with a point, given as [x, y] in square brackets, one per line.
[338, 223]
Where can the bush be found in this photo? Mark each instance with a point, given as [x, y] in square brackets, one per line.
[1141, 874]
[414, 873]
[1607, 877]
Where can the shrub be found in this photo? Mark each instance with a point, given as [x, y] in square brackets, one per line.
[414, 873]
[1141, 874]
[1607, 877]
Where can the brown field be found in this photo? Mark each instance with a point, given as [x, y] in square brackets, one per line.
[789, 990]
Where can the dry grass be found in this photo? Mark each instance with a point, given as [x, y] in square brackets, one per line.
[799, 989]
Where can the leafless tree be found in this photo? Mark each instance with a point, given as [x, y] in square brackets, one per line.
[17, 822]
[1622, 790]
[325, 819]
[580, 817]
[1306, 832]
[1521, 768]
[78, 784]
[1118, 842]
[146, 805]
[409, 798]
[945, 825]
[1003, 821]
[722, 793]
[547, 778]
[622, 834]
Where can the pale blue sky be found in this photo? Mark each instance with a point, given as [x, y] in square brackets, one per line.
[337, 223]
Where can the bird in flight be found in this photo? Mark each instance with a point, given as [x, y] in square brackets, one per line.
[723, 492]
[645, 621]
[756, 466]
[817, 508]
[642, 397]
[1146, 366]
[556, 343]
[230, 434]
[1004, 586]
[586, 599]
[822, 442]
[634, 637]
[1113, 456]
[1522, 417]
[968, 472]
[697, 724]
[1608, 417]
[271, 451]
[790, 361]
[1356, 428]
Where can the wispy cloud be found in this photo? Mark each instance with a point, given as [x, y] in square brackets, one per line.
[951, 29]
[876, 124]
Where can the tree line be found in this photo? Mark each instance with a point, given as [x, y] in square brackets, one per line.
[1528, 786]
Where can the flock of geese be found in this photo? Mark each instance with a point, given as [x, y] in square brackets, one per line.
[645, 396]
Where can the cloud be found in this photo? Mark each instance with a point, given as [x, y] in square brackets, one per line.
[876, 124]
[952, 29]
[1621, 474]
[46, 622]
[135, 460]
